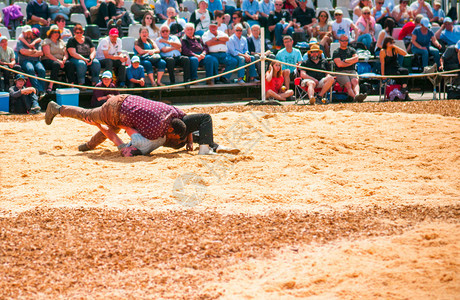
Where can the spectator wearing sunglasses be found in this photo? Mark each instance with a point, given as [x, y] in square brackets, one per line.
[366, 28]
[342, 26]
[380, 13]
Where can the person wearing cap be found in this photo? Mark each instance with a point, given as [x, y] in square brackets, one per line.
[83, 56]
[238, 50]
[314, 79]
[135, 75]
[279, 24]
[345, 59]
[139, 9]
[170, 50]
[201, 17]
[55, 57]
[402, 13]
[438, 13]
[193, 47]
[422, 7]
[162, 11]
[342, 26]
[451, 57]
[216, 41]
[7, 59]
[29, 59]
[23, 100]
[110, 55]
[406, 32]
[35, 37]
[422, 37]
[38, 14]
[100, 96]
[448, 33]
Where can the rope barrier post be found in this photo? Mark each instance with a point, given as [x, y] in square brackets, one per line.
[262, 62]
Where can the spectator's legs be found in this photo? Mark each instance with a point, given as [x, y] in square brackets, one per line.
[80, 67]
[287, 79]
[107, 64]
[240, 62]
[355, 85]
[102, 15]
[41, 72]
[184, 61]
[121, 72]
[278, 34]
[194, 67]
[211, 65]
[69, 69]
[366, 39]
[148, 69]
[54, 66]
[170, 64]
[435, 52]
[28, 67]
[252, 69]
[311, 89]
[95, 70]
[423, 53]
[327, 85]
[160, 64]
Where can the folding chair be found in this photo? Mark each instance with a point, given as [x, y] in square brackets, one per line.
[301, 94]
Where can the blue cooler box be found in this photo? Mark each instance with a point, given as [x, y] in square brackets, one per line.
[4, 101]
[67, 96]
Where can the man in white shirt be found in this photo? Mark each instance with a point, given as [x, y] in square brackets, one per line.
[217, 44]
[342, 26]
[423, 8]
[109, 53]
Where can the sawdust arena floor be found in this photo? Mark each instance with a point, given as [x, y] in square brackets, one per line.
[340, 201]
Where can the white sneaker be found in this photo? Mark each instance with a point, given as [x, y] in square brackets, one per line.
[223, 149]
[205, 150]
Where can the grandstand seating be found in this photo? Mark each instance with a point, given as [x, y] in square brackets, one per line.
[79, 18]
[4, 32]
[190, 5]
[127, 43]
[325, 4]
[133, 30]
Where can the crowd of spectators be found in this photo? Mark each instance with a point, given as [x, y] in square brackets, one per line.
[216, 33]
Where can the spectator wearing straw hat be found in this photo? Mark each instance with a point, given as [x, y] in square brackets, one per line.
[422, 37]
[55, 57]
[313, 79]
[110, 55]
[23, 100]
[345, 59]
[238, 50]
[101, 96]
[29, 59]
[7, 59]
[448, 33]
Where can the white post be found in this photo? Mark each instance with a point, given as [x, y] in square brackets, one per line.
[262, 62]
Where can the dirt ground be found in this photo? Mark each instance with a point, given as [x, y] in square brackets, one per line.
[339, 201]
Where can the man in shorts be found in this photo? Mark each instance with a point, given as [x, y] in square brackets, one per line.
[314, 79]
[345, 58]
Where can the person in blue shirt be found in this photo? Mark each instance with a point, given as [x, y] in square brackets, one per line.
[265, 8]
[291, 56]
[448, 33]
[170, 50]
[238, 49]
[438, 13]
[421, 38]
[252, 14]
[162, 9]
[136, 75]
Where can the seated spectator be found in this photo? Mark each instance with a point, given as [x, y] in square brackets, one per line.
[149, 22]
[23, 100]
[291, 56]
[175, 23]
[314, 79]
[345, 58]
[342, 26]
[448, 33]
[170, 50]
[237, 18]
[322, 31]
[451, 57]
[216, 41]
[254, 46]
[201, 17]
[389, 63]
[366, 28]
[121, 16]
[110, 55]
[265, 8]
[29, 59]
[402, 13]
[357, 11]
[149, 55]
[274, 79]
[66, 34]
[99, 13]
[386, 32]
[194, 48]
[238, 50]
[380, 13]
[38, 14]
[406, 32]
[214, 5]
[7, 59]
[438, 13]
[304, 18]
[421, 38]
[55, 57]
[35, 40]
[83, 55]
[136, 75]
[162, 11]
[423, 8]
[57, 9]
[289, 6]
[140, 8]
[252, 14]
[101, 96]
[219, 16]
[280, 24]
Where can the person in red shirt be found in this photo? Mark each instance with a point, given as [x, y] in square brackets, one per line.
[274, 83]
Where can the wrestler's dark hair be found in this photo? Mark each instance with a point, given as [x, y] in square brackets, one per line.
[179, 127]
